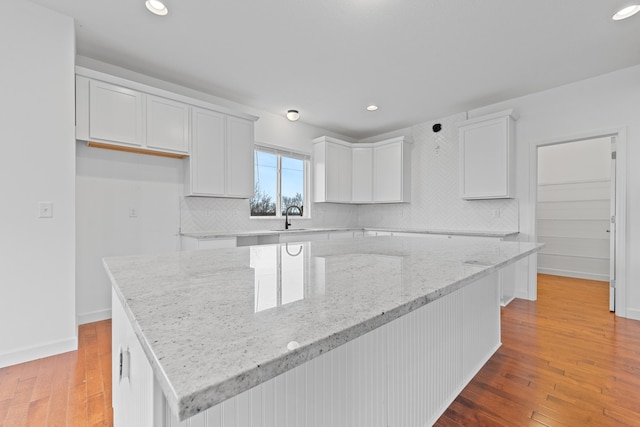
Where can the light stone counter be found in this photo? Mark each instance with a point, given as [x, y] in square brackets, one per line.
[214, 323]
[293, 230]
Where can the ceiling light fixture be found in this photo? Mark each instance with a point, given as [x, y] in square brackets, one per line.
[293, 115]
[626, 12]
[156, 7]
[372, 108]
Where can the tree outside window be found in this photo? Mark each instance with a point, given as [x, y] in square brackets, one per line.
[279, 183]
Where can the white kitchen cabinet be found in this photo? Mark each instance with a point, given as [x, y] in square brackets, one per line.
[188, 243]
[120, 114]
[362, 181]
[335, 235]
[221, 161]
[132, 379]
[205, 169]
[240, 141]
[362, 173]
[392, 171]
[332, 170]
[167, 124]
[303, 237]
[487, 156]
[116, 114]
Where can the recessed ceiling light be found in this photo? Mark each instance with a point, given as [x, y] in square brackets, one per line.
[293, 115]
[157, 7]
[372, 107]
[626, 12]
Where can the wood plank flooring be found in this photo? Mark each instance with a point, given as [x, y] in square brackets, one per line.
[565, 361]
[70, 389]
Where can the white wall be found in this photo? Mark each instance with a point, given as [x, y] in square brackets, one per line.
[110, 183]
[37, 284]
[585, 108]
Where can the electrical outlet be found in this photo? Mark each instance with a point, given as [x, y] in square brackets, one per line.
[45, 209]
[496, 213]
[133, 213]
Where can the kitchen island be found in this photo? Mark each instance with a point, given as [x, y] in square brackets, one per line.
[370, 331]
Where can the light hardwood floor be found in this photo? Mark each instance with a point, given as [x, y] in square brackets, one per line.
[71, 389]
[564, 361]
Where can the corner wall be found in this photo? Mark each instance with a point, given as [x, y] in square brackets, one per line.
[37, 278]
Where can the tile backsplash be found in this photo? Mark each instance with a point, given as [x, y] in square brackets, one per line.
[199, 214]
[435, 201]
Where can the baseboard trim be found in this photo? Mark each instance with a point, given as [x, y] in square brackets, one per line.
[574, 274]
[522, 295]
[633, 313]
[94, 316]
[27, 354]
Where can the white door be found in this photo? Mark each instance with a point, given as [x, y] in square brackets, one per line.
[612, 231]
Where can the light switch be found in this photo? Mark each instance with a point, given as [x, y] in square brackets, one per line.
[45, 209]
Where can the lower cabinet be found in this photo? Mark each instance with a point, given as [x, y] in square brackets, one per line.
[192, 243]
[303, 237]
[132, 380]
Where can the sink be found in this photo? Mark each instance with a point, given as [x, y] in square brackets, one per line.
[291, 229]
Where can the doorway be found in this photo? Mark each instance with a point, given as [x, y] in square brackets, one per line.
[575, 209]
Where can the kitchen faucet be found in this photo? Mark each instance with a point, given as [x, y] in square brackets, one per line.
[286, 214]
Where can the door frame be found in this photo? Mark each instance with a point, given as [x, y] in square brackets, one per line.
[621, 214]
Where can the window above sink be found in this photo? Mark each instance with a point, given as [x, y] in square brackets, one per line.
[280, 181]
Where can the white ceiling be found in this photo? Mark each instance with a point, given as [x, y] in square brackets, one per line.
[416, 59]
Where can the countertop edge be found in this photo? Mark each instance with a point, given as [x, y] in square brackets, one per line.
[221, 234]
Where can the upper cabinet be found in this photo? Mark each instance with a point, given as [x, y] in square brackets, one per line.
[206, 169]
[392, 171]
[110, 114]
[221, 161]
[361, 173]
[115, 114]
[167, 124]
[362, 178]
[240, 145]
[487, 156]
[332, 170]
[120, 114]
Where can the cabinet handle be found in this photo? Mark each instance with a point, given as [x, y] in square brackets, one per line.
[125, 363]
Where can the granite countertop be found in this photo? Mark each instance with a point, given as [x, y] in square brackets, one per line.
[215, 234]
[214, 323]
[218, 234]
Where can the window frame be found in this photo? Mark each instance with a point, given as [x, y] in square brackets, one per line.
[306, 185]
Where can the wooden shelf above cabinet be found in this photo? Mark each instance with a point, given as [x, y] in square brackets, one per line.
[94, 144]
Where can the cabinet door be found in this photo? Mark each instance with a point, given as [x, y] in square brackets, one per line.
[240, 142]
[167, 124]
[207, 161]
[387, 173]
[484, 151]
[133, 382]
[362, 185]
[338, 173]
[303, 237]
[116, 114]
